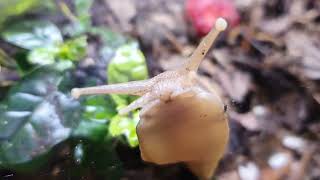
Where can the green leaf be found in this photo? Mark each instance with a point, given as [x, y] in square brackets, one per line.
[110, 39]
[97, 112]
[83, 12]
[32, 34]
[95, 148]
[23, 66]
[125, 125]
[99, 108]
[15, 7]
[37, 118]
[128, 64]
[60, 55]
[73, 49]
[43, 56]
[94, 130]
[63, 65]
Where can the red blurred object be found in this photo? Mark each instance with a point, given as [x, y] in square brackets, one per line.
[203, 13]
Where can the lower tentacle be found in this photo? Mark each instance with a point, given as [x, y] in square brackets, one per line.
[140, 102]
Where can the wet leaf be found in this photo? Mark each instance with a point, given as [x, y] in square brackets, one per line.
[32, 34]
[97, 110]
[37, 118]
[95, 130]
[43, 56]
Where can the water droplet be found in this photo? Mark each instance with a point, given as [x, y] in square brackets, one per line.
[8, 175]
[78, 161]
[78, 153]
[8, 145]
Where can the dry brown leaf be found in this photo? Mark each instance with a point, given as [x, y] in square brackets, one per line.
[237, 84]
[247, 120]
[307, 48]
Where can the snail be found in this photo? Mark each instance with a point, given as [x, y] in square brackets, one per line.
[182, 119]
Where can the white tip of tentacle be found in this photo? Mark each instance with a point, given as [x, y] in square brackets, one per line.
[75, 93]
[221, 24]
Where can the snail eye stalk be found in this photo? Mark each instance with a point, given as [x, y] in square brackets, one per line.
[197, 56]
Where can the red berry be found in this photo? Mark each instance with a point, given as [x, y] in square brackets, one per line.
[203, 13]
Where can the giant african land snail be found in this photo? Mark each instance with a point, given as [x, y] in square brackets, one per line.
[182, 119]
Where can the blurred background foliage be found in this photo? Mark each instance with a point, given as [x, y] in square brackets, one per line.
[37, 114]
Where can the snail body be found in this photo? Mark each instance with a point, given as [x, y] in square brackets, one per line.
[181, 118]
[184, 128]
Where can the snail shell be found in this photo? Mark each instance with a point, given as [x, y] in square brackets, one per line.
[182, 118]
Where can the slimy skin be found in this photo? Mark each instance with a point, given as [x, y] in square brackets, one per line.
[181, 118]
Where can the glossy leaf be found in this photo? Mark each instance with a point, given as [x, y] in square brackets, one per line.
[43, 56]
[96, 114]
[99, 108]
[94, 130]
[32, 34]
[37, 117]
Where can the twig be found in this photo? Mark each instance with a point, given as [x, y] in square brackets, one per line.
[304, 163]
[67, 12]
[173, 40]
